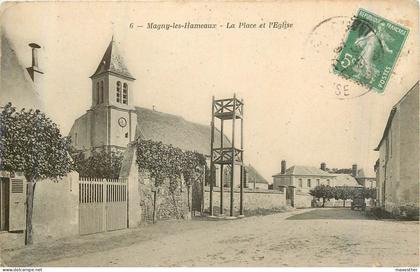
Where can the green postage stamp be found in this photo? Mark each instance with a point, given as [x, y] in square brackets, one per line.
[370, 50]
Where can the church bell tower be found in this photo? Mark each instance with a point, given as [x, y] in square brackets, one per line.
[112, 115]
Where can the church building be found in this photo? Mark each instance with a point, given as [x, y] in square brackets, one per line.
[111, 120]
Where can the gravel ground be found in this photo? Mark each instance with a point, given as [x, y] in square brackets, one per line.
[311, 237]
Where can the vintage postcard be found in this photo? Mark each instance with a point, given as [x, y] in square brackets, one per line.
[210, 134]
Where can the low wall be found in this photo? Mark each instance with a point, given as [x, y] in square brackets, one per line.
[254, 200]
[336, 203]
[303, 200]
[56, 208]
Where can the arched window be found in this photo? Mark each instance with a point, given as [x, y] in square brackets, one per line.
[102, 91]
[97, 92]
[125, 94]
[118, 92]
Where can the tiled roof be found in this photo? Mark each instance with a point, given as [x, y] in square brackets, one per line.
[17, 86]
[345, 180]
[175, 130]
[299, 170]
[112, 61]
[254, 176]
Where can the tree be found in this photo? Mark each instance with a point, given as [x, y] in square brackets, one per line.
[347, 193]
[163, 161]
[369, 193]
[322, 191]
[100, 164]
[31, 143]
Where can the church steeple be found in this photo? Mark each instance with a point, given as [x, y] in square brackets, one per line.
[112, 82]
[112, 62]
[112, 119]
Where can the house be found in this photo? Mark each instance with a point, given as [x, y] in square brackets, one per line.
[21, 86]
[397, 168]
[299, 180]
[304, 178]
[17, 87]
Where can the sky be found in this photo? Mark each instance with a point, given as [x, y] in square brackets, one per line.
[292, 111]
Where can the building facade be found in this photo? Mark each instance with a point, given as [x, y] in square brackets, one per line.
[397, 168]
[303, 178]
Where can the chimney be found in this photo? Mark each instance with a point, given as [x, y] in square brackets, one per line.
[283, 167]
[354, 170]
[34, 70]
[323, 166]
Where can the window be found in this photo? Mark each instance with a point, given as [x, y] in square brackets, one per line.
[317, 182]
[300, 183]
[102, 91]
[125, 94]
[309, 182]
[118, 92]
[97, 92]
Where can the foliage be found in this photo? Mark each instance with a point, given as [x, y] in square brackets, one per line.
[340, 170]
[167, 162]
[369, 193]
[163, 162]
[322, 191]
[342, 192]
[31, 143]
[100, 164]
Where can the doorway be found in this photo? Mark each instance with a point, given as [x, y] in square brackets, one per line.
[4, 203]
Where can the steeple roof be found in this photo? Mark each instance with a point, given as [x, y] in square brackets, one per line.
[113, 62]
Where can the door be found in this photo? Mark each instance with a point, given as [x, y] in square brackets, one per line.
[17, 207]
[4, 203]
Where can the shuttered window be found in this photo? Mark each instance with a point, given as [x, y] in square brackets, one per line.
[17, 186]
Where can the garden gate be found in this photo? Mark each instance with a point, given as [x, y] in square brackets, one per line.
[102, 205]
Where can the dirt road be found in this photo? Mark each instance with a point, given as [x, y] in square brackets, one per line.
[316, 237]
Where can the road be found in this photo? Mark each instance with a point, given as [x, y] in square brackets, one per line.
[312, 237]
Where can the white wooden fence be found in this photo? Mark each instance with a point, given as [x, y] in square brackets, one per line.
[102, 205]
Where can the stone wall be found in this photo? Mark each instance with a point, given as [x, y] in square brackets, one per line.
[254, 200]
[141, 193]
[170, 204]
[303, 200]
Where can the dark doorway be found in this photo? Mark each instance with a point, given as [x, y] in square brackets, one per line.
[4, 204]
